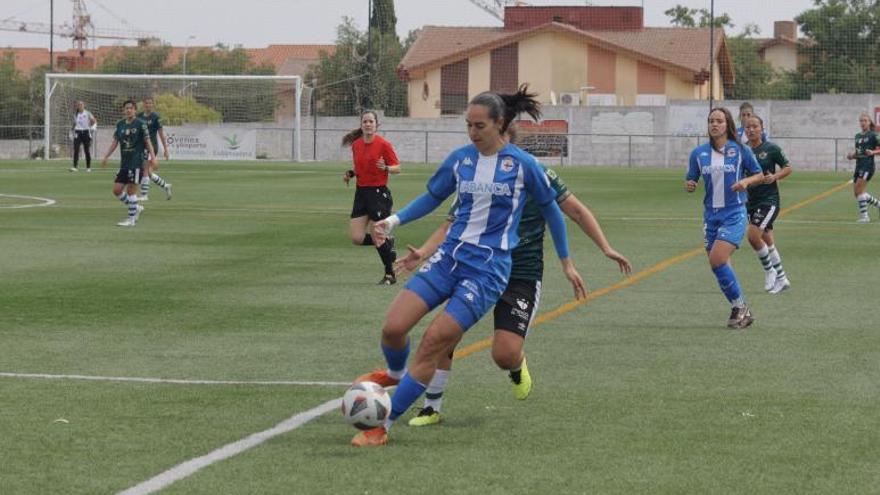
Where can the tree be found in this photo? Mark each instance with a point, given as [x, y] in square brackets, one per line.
[348, 82]
[685, 17]
[842, 49]
[177, 110]
[15, 99]
[755, 78]
[223, 60]
[137, 60]
[383, 19]
[249, 102]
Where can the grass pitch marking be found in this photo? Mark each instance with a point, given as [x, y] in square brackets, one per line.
[172, 380]
[188, 468]
[43, 201]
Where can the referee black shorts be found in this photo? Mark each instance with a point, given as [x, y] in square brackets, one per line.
[374, 202]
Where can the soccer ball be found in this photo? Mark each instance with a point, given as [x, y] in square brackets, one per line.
[366, 405]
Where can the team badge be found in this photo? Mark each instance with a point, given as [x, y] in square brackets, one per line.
[762, 155]
[731, 152]
[507, 164]
[467, 161]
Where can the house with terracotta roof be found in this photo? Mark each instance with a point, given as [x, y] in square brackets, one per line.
[572, 55]
[782, 49]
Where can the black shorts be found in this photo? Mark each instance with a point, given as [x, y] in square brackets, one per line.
[129, 175]
[863, 173]
[517, 306]
[373, 202]
[763, 216]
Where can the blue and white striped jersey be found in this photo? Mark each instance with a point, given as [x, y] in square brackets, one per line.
[491, 193]
[720, 171]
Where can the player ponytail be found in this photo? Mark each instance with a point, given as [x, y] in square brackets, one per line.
[354, 135]
[509, 106]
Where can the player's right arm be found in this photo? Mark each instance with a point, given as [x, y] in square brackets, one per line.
[693, 173]
[440, 186]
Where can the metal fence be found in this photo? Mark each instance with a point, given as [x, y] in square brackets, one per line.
[432, 146]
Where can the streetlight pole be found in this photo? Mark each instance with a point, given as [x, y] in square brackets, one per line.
[711, 54]
[186, 49]
[51, 35]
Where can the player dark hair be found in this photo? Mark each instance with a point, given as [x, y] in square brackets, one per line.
[129, 101]
[148, 98]
[746, 106]
[509, 106]
[357, 133]
[731, 126]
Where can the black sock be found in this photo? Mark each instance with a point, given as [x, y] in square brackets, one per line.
[368, 240]
[387, 254]
[516, 376]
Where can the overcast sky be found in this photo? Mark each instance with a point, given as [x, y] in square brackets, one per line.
[257, 23]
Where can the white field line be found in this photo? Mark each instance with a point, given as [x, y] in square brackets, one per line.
[189, 467]
[45, 201]
[176, 381]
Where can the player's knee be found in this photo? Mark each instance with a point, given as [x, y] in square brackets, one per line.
[394, 329]
[505, 358]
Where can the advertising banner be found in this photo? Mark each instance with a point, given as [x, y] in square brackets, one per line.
[207, 143]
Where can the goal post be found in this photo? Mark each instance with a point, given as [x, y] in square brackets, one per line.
[206, 117]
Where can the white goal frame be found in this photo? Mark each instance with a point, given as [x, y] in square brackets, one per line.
[51, 83]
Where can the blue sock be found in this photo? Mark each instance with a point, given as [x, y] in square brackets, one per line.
[408, 392]
[396, 359]
[728, 283]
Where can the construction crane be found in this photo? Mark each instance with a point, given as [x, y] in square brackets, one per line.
[81, 31]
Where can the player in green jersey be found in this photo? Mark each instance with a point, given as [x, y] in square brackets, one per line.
[867, 145]
[518, 305]
[154, 126]
[763, 204]
[133, 140]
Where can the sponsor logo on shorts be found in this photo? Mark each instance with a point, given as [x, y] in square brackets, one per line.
[523, 315]
[470, 285]
[470, 296]
[522, 303]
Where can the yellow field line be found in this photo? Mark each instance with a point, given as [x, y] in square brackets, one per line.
[638, 277]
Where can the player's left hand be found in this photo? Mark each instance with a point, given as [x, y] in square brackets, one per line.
[165, 155]
[622, 262]
[410, 262]
[577, 283]
[769, 179]
[738, 186]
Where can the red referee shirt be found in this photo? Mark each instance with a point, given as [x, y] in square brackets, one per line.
[367, 156]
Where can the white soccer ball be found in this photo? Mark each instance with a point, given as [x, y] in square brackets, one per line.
[366, 405]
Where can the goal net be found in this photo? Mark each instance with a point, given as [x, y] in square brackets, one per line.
[204, 117]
